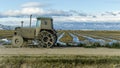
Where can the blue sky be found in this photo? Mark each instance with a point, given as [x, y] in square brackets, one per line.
[79, 5]
[61, 10]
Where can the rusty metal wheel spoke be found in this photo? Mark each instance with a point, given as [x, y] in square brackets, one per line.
[46, 39]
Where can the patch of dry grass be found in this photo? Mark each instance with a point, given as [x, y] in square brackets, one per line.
[6, 33]
[81, 38]
[66, 38]
[107, 34]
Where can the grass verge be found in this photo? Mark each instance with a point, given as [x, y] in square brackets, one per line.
[64, 61]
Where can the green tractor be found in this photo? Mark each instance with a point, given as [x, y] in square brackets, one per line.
[44, 34]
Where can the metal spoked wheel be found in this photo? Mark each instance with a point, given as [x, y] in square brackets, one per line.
[46, 39]
[17, 41]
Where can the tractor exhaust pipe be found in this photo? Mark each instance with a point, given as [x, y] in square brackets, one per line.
[30, 19]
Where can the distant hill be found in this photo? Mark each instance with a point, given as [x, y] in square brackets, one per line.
[87, 26]
[76, 26]
[4, 27]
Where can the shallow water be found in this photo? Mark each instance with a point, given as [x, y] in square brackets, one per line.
[111, 41]
[4, 41]
[101, 41]
[93, 40]
[75, 38]
[58, 40]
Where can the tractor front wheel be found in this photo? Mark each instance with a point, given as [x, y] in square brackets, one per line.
[17, 41]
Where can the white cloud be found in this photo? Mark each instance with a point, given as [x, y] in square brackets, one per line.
[11, 13]
[58, 15]
[24, 12]
[98, 18]
[13, 21]
[37, 11]
[34, 4]
[28, 11]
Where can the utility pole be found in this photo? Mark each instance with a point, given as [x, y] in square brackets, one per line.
[30, 19]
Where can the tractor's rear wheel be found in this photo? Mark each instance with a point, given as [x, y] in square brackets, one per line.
[46, 39]
[17, 41]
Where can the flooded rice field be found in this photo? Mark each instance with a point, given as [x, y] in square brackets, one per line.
[89, 37]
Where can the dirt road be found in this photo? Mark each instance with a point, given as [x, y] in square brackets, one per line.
[60, 51]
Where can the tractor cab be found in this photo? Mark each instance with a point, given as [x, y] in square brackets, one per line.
[44, 23]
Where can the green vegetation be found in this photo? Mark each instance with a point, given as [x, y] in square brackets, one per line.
[114, 45]
[92, 45]
[64, 61]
